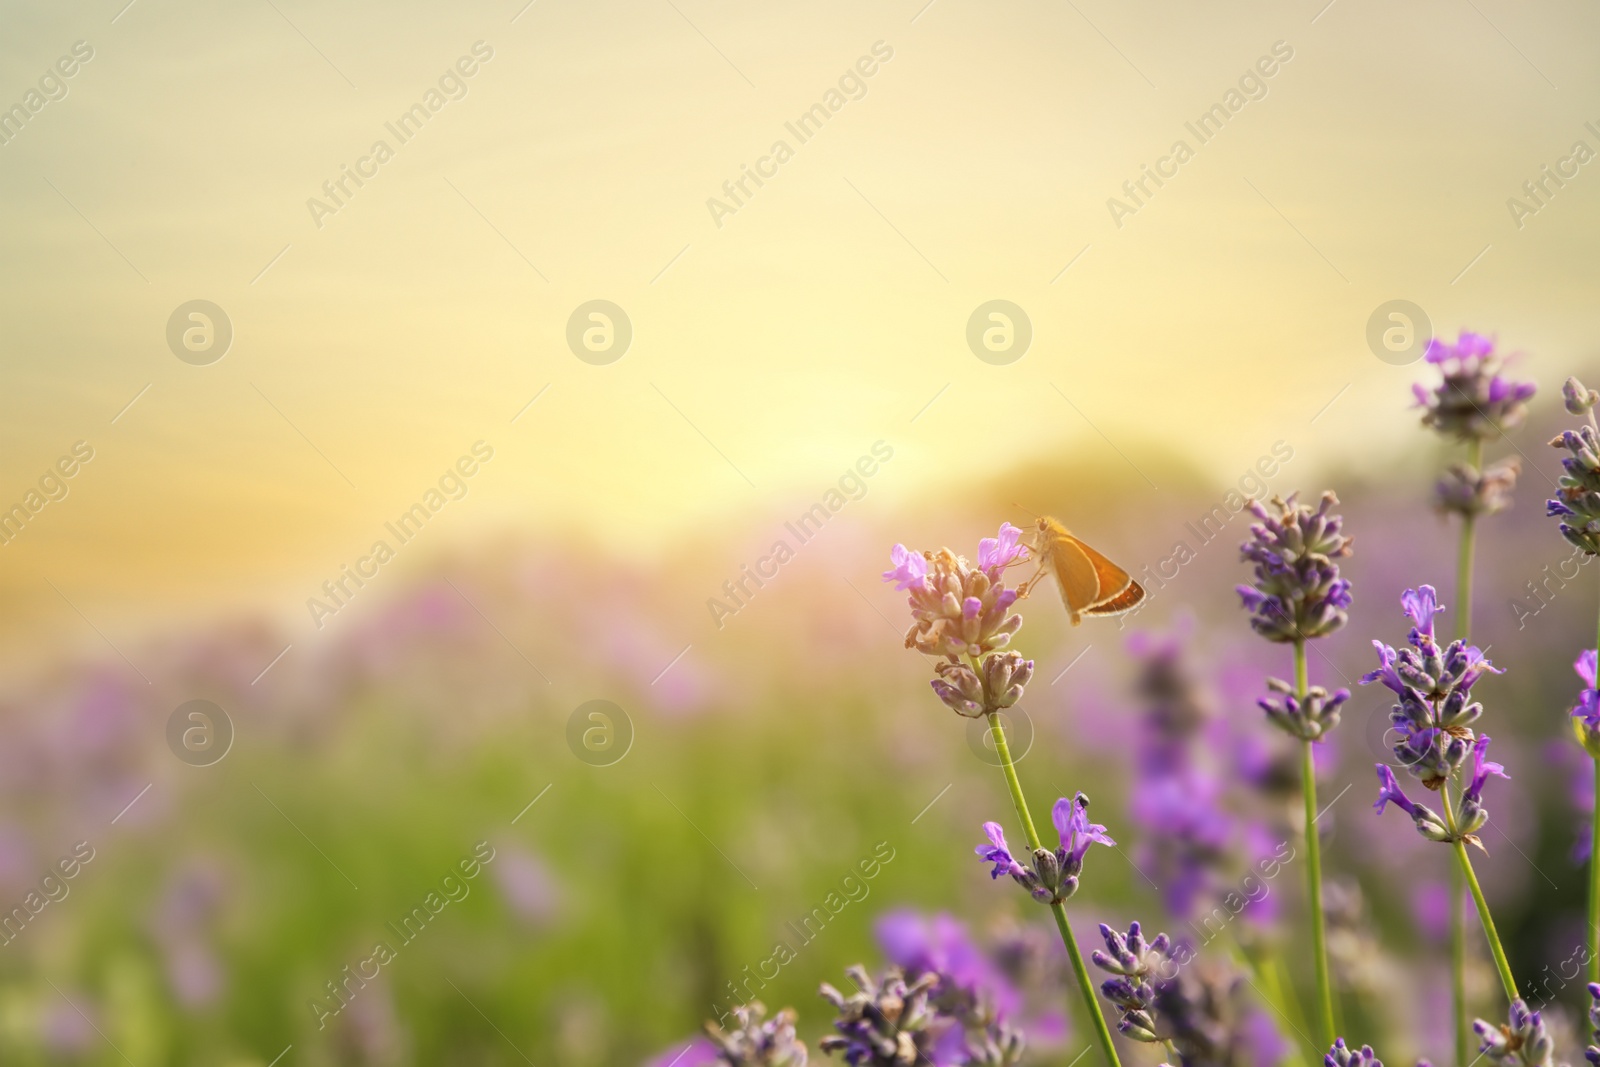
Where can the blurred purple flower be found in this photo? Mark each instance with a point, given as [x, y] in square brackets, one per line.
[940, 945]
[1472, 400]
[699, 1052]
[530, 890]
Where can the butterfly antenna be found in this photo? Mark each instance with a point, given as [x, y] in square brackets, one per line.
[1025, 511]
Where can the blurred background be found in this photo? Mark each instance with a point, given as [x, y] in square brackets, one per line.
[396, 380]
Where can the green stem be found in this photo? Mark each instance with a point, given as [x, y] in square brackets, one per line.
[1085, 984]
[1594, 861]
[1500, 962]
[1469, 532]
[1490, 934]
[1319, 934]
[1458, 916]
[1458, 967]
[1594, 881]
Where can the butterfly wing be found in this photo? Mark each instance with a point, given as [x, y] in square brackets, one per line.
[1074, 570]
[1117, 591]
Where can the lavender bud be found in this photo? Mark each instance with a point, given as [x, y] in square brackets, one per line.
[959, 688]
[1578, 399]
[1342, 1055]
[1465, 491]
[1005, 675]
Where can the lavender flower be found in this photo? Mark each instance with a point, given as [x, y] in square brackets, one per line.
[1592, 1053]
[1473, 815]
[1177, 797]
[1135, 962]
[1342, 1055]
[1297, 593]
[1577, 498]
[1307, 719]
[1435, 712]
[758, 1041]
[961, 612]
[1586, 713]
[1472, 401]
[1053, 876]
[1466, 491]
[1522, 1041]
[1207, 1014]
[889, 1023]
[969, 989]
[1428, 823]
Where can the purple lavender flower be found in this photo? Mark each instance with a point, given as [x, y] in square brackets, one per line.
[968, 978]
[1342, 1055]
[1297, 593]
[1577, 499]
[1523, 1041]
[998, 852]
[1592, 1053]
[758, 1041]
[1435, 712]
[1207, 1013]
[910, 569]
[1473, 815]
[1053, 876]
[1139, 966]
[889, 1023]
[1586, 712]
[969, 989]
[962, 614]
[997, 553]
[1472, 401]
[1427, 821]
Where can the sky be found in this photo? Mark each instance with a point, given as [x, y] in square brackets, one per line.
[378, 337]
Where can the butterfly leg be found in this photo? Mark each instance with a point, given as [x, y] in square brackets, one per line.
[1027, 587]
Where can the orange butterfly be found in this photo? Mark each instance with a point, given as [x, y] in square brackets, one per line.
[1090, 584]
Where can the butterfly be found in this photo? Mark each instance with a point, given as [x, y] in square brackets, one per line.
[1090, 584]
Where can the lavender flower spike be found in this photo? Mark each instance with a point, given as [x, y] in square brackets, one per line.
[1586, 713]
[1297, 593]
[758, 1041]
[1135, 962]
[888, 1023]
[962, 614]
[1053, 876]
[1471, 401]
[1577, 499]
[1523, 1041]
[1342, 1055]
[1435, 711]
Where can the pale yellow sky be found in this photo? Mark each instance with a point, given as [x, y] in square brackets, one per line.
[769, 352]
